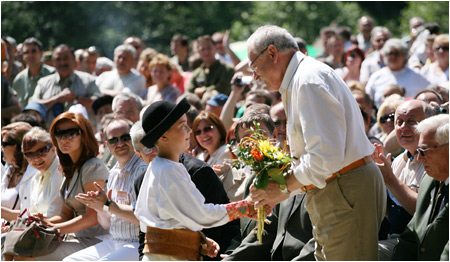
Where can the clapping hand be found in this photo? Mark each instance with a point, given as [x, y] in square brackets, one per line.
[94, 199]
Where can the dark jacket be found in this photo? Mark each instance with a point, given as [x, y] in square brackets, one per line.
[423, 240]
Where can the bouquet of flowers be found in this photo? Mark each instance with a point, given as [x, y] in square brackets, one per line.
[267, 162]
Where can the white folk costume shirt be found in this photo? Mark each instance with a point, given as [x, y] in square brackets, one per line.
[169, 200]
[324, 124]
[45, 191]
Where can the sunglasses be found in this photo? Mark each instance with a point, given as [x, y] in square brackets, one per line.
[380, 40]
[422, 151]
[69, 134]
[443, 48]
[41, 152]
[124, 138]
[385, 118]
[8, 143]
[205, 130]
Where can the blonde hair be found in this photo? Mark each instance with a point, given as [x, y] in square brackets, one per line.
[34, 136]
[391, 102]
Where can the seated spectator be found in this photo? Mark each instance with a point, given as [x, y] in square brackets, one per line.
[223, 50]
[429, 95]
[353, 59]
[28, 118]
[127, 105]
[142, 66]
[138, 45]
[26, 81]
[437, 72]
[426, 236]
[365, 102]
[256, 96]
[14, 66]
[336, 46]
[114, 205]
[103, 64]
[395, 54]
[385, 120]
[392, 89]
[278, 115]
[38, 110]
[325, 34]
[122, 78]
[18, 173]
[212, 74]
[101, 106]
[160, 70]
[179, 48]
[67, 87]
[215, 104]
[76, 148]
[374, 61]
[365, 26]
[88, 60]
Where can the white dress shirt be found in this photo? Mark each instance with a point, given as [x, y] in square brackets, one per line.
[168, 199]
[324, 123]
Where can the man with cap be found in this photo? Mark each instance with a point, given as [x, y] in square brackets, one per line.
[215, 104]
[101, 107]
[170, 208]
[37, 110]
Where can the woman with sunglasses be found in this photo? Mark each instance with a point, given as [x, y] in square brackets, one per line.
[437, 72]
[77, 149]
[353, 59]
[385, 119]
[45, 184]
[14, 189]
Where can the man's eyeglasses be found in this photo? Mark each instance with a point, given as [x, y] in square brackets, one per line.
[8, 143]
[43, 151]
[385, 118]
[254, 60]
[422, 151]
[204, 130]
[69, 134]
[147, 150]
[443, 48]
[124, 138]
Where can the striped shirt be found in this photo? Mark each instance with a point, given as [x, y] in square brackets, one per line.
[121, 181]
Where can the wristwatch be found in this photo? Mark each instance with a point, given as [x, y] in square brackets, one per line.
[283, 189]
[106, 205]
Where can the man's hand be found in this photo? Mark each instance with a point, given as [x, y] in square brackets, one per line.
[94, 199]
[271, 196]
[67, 95]
[199, 91]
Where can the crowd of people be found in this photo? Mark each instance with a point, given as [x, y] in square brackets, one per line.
[132, 158]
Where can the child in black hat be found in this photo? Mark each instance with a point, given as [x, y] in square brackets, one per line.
[169, 207]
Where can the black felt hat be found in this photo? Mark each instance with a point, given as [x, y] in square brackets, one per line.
[159, 117]
[101, 101]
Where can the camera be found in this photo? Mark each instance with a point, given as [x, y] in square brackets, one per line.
[440, 110]
[243, 81]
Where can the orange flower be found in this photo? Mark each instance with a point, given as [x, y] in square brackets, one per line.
[257, 155]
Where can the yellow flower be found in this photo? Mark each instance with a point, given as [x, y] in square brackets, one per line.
[265, 146]
[279, 155]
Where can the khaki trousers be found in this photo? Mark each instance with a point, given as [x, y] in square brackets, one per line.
[156, 257]
[346, 215]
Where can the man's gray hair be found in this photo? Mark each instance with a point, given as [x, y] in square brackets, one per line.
[125, 97]
[137, 133]
[397, 44]
[128, 48]
[439, 124]
[382, 29]
[271, 35]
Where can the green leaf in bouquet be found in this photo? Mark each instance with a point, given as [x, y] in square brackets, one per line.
[277, 175]
[261, 181]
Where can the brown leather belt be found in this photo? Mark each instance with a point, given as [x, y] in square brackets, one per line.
[181, 243]
[353, 165]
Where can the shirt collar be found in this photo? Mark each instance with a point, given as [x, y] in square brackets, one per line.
[410, 156]
[53, 167]
[296, 59]
[128, 166]
[70, 78]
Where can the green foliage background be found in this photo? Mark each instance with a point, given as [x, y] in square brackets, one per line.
[107, 24]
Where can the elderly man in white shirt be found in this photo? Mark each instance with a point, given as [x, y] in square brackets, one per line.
[345, 192]
[123, 76]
